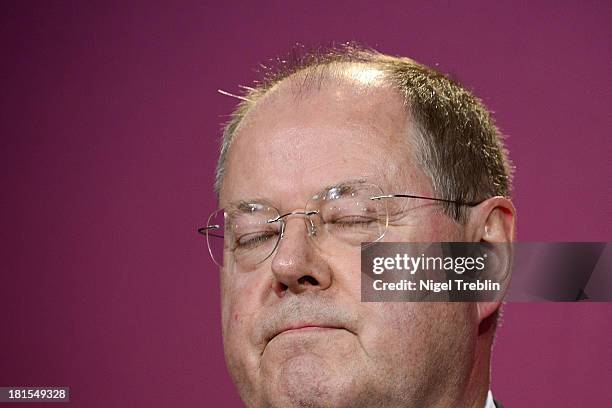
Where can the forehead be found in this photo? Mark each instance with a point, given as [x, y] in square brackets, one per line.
[295, 141]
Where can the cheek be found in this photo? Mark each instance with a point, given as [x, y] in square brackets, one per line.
[442, 228]
[346, 271]
[397, 322]
[431, 227]
[242, 300]
[404, 330]
[237, 305]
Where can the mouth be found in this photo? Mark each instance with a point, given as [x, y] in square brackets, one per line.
[310, 328]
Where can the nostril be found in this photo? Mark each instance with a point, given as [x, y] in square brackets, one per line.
[280, 288]
[307, 279]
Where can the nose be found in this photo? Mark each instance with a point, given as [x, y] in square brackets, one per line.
[297, 265]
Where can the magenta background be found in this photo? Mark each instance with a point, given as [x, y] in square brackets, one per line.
[109, 125]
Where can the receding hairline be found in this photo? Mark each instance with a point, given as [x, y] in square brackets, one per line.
[308, 80]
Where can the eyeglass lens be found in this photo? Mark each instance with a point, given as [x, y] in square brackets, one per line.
[344, 215]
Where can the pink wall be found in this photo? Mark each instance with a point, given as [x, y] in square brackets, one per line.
[109, 124]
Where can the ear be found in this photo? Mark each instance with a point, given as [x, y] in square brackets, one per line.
[493, 221]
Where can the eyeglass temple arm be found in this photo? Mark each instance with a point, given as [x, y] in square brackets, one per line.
[204, 230]
[458, 202]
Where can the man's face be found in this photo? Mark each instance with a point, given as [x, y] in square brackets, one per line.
[295, 331]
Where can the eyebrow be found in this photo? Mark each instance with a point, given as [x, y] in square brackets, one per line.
[344, 185]
[245, 205]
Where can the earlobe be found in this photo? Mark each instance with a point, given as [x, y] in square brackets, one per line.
[486, 310]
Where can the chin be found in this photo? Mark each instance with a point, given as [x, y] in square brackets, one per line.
[308, 381]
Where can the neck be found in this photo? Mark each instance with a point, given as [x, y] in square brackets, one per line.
[478, 383]
[472, 390]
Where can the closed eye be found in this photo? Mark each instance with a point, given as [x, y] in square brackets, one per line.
[255, 239]
[352, 221]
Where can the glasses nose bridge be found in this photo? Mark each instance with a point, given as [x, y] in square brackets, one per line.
[307, 214]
